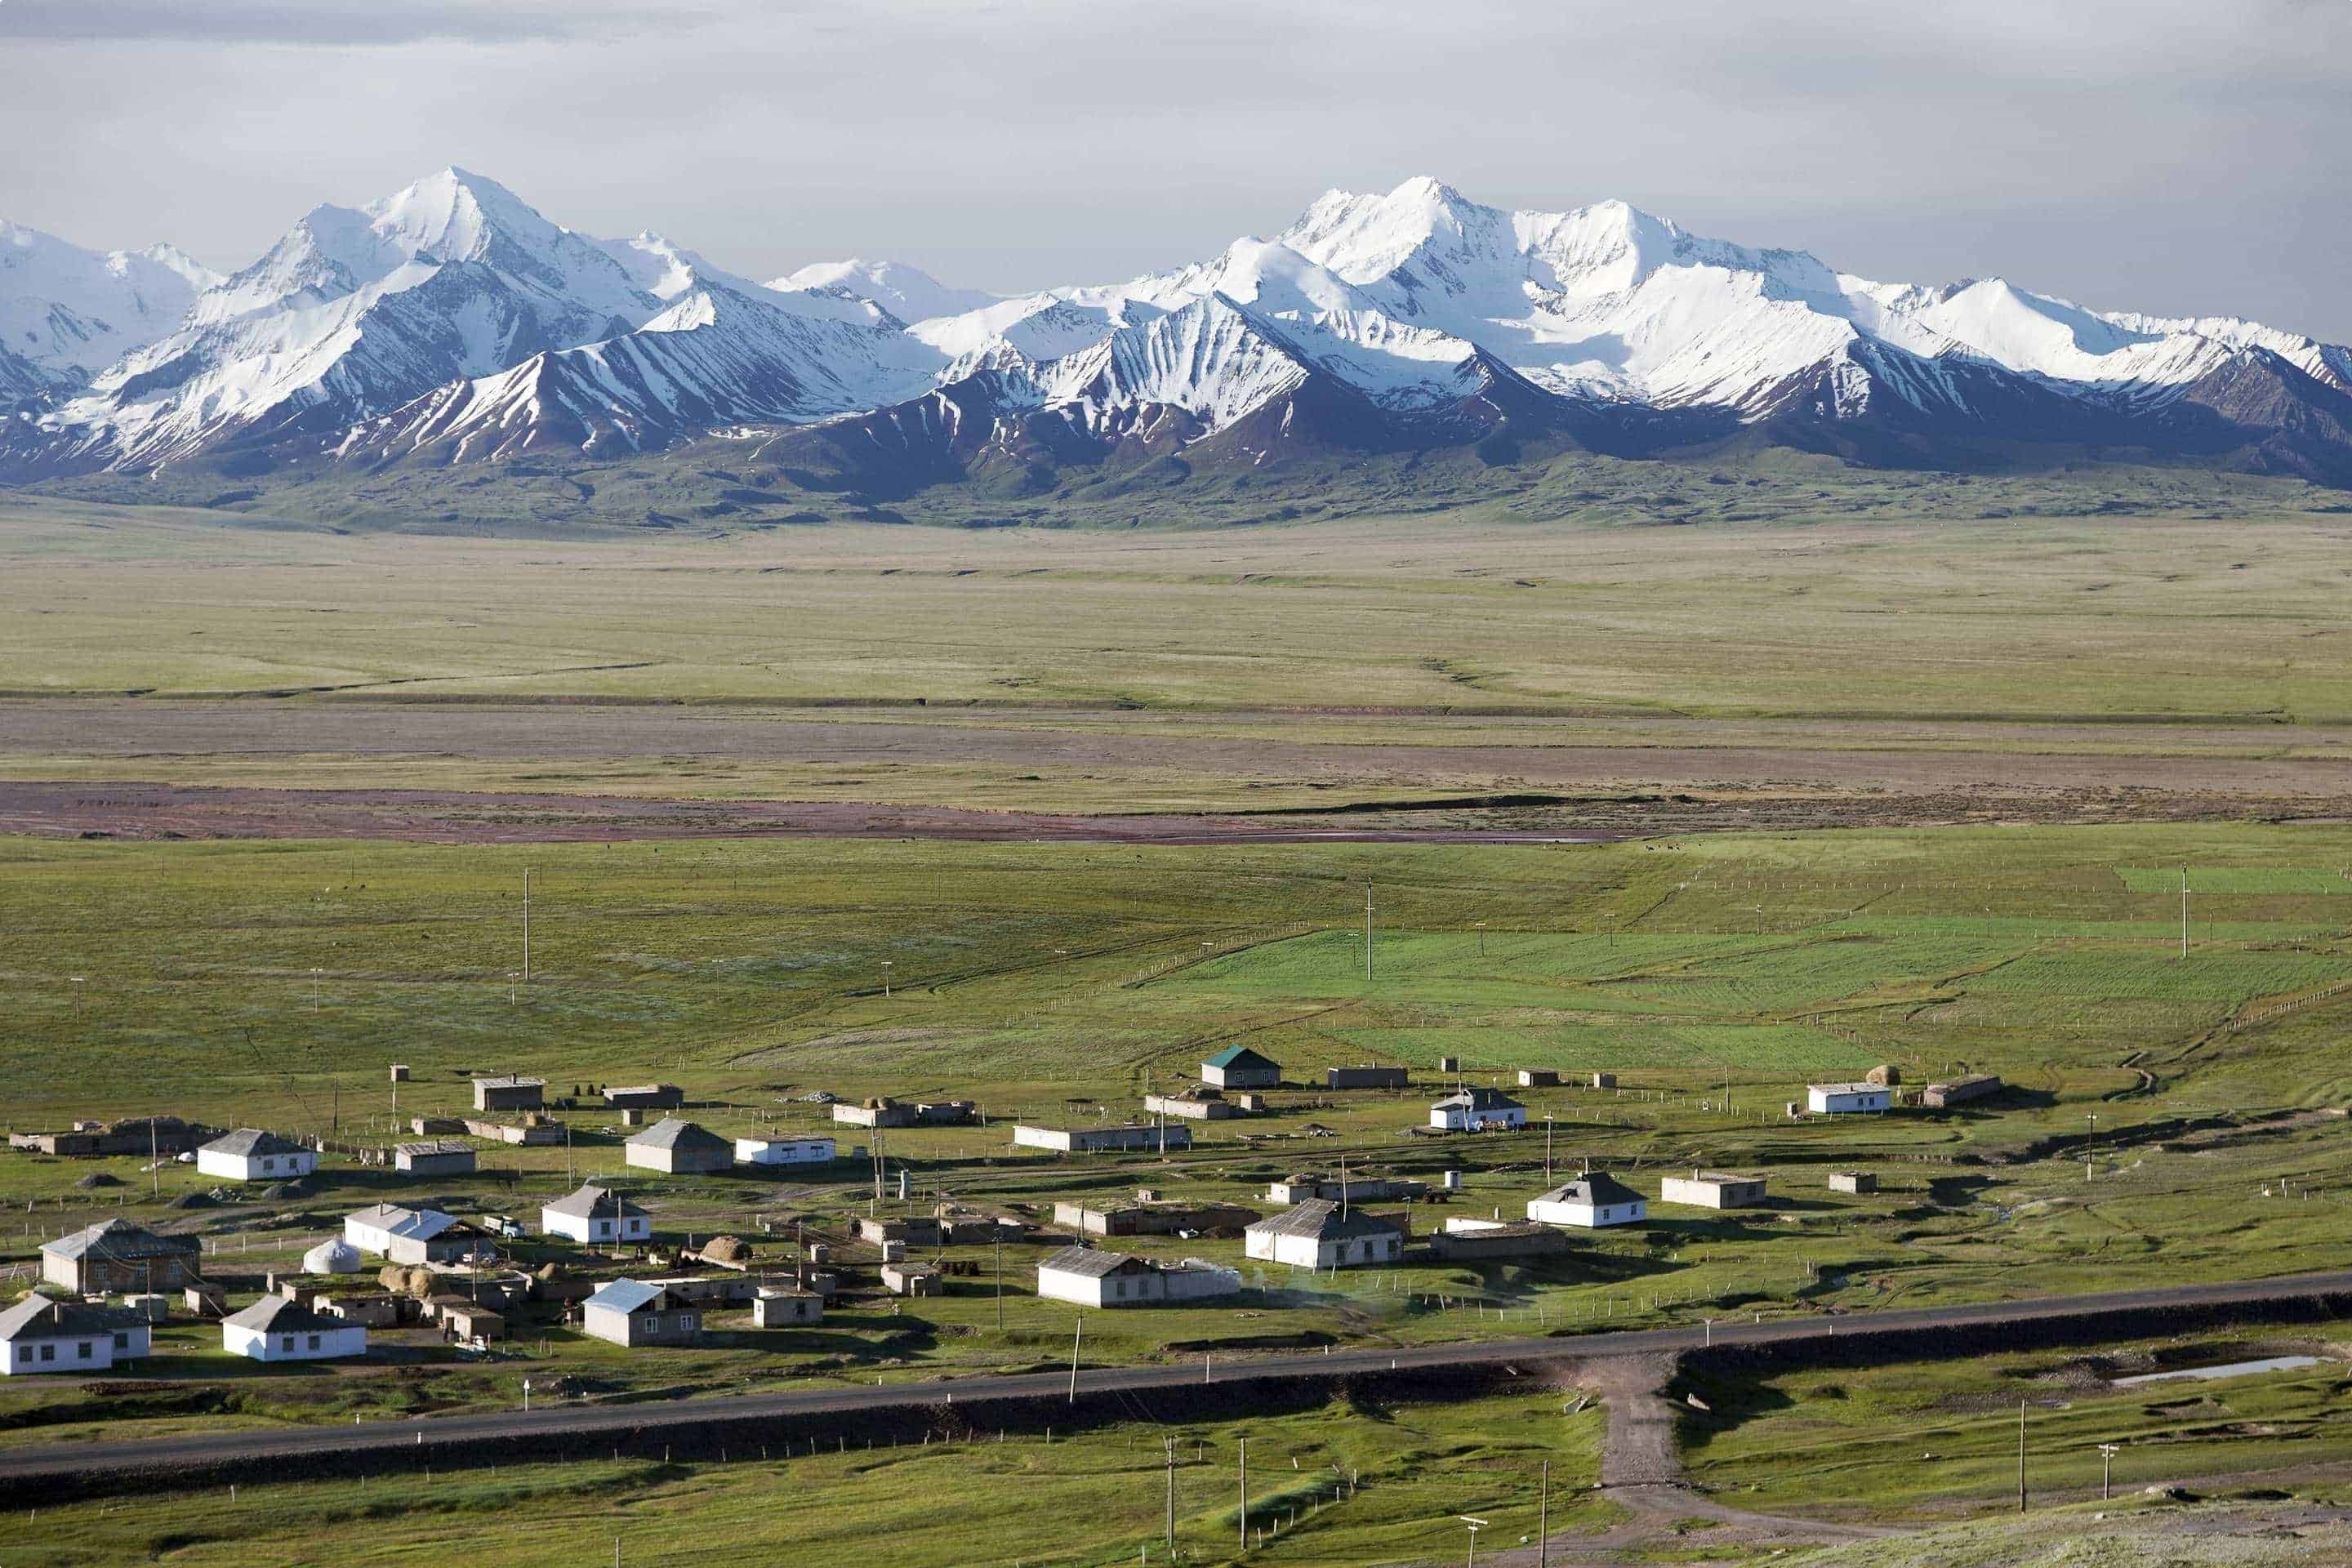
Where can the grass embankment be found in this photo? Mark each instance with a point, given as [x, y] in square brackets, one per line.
[1344, 1484]
[1940, 1437]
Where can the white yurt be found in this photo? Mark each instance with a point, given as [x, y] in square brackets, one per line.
[332, 1256]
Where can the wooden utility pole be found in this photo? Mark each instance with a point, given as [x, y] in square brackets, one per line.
[1245, 1494]
[1543, 1520]
[1078, 1337]
[1000, 1279]
[525, 959]
[1171, 1499]
[2184, 909]
[1368, 931]
[2021, 1456]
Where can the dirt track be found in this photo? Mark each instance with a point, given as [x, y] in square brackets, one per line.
[1435, 780]
[169, 811]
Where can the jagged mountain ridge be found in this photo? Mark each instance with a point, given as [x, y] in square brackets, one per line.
[451, 323]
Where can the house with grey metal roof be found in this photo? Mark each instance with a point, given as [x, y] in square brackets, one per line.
[39, 1334]
[413, 1237]
[1478, 1110]
[435, 1157]
[679, 1147]
[1090, 1277]
[116, 1257]
[632, 1312]
[1319, 1234]
[250, 1154]
[1593, 1200]
[595, 1217]
[278, 1329]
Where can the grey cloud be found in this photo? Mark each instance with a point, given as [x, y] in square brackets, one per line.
[326, 23]
[2170, 155]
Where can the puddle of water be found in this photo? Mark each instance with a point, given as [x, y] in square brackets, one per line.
[2234, 1369]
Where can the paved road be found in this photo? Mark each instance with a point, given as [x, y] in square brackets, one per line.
[22, 1469]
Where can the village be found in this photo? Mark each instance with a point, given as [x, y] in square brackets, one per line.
[702, 1238]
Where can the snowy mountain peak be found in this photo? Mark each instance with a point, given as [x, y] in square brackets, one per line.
[909, 293]
[456, 216]
[451, 320]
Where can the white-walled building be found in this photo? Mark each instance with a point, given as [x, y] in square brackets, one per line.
[275, 1329]
[1478, 1110]
[249, 1154]
[41, 1335]
[1594, 1200]
[1845, 1098]
[784, 1151]
[1315, 1235]
[413, 1237]
[595, 1217]
[1089, 1277]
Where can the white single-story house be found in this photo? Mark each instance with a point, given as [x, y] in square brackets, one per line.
[413, 1237]
[632, 1312]
[678, 1147]
[249, 1154]
[1845, 1098]
[1316, 1235]
[38, 1335]
[1712, 1190]
[1593, 1200]
[275, 1329]
[594, 1216]
[1098, 1140]
[784, 1151]
[1089, 1277]
[1478, 1110]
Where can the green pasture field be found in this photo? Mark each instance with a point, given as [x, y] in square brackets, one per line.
[1940, 1437]
[2167, 1119]
[1097, 1497]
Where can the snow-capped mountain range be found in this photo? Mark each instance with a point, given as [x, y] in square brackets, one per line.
[451, 323]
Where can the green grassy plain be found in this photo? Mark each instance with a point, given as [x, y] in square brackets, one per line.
[2017, 617]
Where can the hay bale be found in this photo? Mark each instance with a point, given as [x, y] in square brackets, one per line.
[393, 1278]
[1886, 1075]
[726, 1249]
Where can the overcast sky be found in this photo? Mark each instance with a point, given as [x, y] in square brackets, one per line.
[2182, 156]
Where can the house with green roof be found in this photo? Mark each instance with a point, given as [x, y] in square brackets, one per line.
[1238, 1067]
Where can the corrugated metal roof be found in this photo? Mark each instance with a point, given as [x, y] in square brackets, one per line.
[674, 1133]
[39, 1318]
[1595, 1188]
[592, 1202]
[123, 1239]
[279, 1316]
[1319, 1217]
[1088, 1262]
[247, 1142]
[628, 1296]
